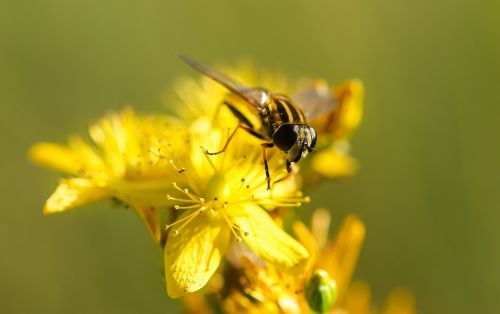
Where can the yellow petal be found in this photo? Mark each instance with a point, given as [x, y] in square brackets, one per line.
[266, 239]
[72, 193]
[145, 203]
[341, 257]
[151, 218]
[358, 299]
[400, 301]
[307, 239]
[343, 120]
[76, 158]
[320, 226]
[331, 164]
[350, 96]
[116, 137]
[192, 256]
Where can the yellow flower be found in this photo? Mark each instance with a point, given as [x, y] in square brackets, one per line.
[222, 199]
[263, 288]
[216, 202]
[337, 258]
[123, 162]
[154, 163]
[335, 129]
[201, 104]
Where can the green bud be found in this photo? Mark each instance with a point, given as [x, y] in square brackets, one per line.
[320, 291]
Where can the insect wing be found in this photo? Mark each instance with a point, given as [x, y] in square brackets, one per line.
[316, 100]
[250, 95]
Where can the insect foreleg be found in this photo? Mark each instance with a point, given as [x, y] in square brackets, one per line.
[225, 144]
[266, 166]
[231, 136]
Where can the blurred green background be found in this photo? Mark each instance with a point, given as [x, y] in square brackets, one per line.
[428, 146]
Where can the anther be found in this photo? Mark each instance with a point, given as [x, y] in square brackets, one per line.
[174, 233]
[179, 170]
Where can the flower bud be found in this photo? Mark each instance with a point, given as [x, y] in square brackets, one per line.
[320, 291]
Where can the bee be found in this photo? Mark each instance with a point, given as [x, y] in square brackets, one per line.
[283, 120]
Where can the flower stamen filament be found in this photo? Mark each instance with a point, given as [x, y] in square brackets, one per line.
[184, 221]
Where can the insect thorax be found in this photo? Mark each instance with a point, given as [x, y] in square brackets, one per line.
[277, 110]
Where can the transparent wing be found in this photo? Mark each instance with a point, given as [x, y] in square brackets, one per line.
[253, 96]
[315, 100]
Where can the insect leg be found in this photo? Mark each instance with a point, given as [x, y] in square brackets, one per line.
[288, 166]
[240, 126]
[266, 166]
[225, 144]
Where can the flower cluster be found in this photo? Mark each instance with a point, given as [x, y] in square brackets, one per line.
[221, 229]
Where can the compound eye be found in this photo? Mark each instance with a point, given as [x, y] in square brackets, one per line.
[286, 136]
[313, 137]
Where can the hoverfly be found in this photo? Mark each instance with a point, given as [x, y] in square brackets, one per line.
[283, 121]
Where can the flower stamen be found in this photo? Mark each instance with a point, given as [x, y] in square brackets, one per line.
[184, 221]
[232, 227]
[187, 193]
[236, 227]
[171, 198]
[178, 169]
[177, 207]
[205, 151]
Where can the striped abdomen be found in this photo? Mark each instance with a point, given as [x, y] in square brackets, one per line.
[283, 110]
